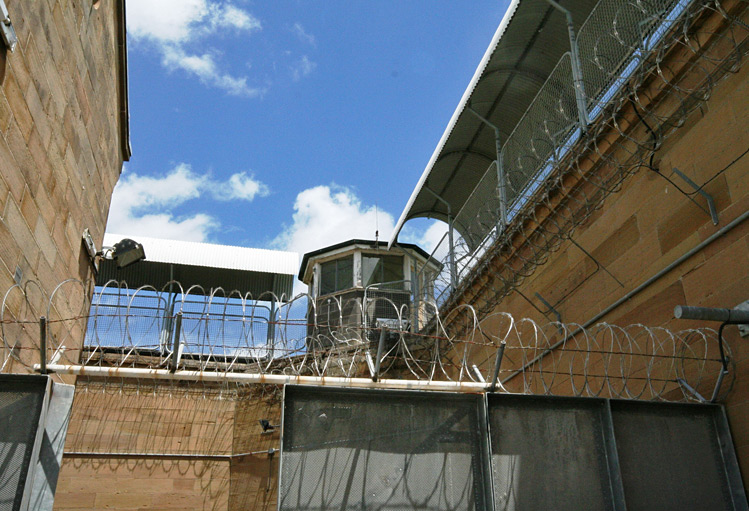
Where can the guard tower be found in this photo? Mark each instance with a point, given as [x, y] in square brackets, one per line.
[360, 286]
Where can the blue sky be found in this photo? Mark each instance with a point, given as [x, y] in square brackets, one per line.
[283, 124]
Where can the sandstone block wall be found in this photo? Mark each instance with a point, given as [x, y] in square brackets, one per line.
[170, 446]
[60, 148]
[647, 225]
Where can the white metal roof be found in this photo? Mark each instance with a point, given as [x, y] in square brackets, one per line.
[213, 256]
[248, 270]
[529, 42]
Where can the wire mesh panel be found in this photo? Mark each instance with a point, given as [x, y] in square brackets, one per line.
[671, 457]
[548, 453]
[21, 401]
[367, 450]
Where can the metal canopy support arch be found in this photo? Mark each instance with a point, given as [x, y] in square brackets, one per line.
[451, 239]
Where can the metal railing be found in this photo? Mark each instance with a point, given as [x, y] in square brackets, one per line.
[623, 46]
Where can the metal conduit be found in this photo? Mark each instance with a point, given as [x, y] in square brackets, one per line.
[735, 222]
[164, 455]
[274, 379]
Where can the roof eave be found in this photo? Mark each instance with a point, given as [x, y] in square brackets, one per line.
[122, 82]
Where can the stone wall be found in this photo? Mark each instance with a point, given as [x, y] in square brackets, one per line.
[62, 143]
[170, 446]
[647, 225]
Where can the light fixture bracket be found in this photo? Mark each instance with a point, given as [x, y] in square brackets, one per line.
[6, 28]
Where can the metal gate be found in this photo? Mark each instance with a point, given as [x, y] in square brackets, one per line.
[402, 450]
[34, 416]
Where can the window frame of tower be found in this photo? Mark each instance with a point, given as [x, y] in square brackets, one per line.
[388, 268]
[336, 268]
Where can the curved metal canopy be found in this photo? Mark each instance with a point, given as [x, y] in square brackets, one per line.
[529, 42]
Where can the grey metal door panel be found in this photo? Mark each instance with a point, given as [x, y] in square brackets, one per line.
[21, 400]
[670, 456]
[548, 453]
[395, 450]
[364, 449]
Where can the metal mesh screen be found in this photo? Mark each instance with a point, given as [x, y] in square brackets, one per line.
[670, 457]
[393, 450]
[370, 450]
[548, 454]
[20, 406]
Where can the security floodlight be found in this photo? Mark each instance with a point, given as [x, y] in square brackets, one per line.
[127, 252]
[6, 28]
[124, 253]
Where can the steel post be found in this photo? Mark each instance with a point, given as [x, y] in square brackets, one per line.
[450, 240]
[501, 179]
[174, 361]
[43, 345]
[577, 72]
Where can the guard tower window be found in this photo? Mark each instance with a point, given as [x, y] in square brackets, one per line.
[382, 269]
[337, 275]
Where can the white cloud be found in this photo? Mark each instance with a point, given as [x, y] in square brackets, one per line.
[302, 34]
[165, 20]
[326, 215]
[205, 68]
[427, 238]
[302, 67]
[240, 186]
[171, 25]
[230, 16]
[143, 204]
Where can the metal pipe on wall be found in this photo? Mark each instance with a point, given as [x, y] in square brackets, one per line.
[273, 379]
[728, 227]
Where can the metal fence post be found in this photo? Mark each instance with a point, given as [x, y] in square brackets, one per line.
[174, 361]
[577, 72]
[43, 345]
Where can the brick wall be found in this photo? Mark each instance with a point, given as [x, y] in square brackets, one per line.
[60, 146]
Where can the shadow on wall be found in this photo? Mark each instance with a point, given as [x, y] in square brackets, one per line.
[220, 461]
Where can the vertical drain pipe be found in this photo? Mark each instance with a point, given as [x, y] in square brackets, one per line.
[577, 73]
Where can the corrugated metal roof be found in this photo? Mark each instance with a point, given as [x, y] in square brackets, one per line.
[247, 270]
[529, 42]
[213, 256]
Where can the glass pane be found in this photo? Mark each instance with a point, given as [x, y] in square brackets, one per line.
[345, 278]
[327, 277]
[370, 270]
[393, 269]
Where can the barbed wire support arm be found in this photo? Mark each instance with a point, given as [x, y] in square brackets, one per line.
[726, 317]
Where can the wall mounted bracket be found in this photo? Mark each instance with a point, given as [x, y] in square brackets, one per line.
[6, 28]
[698, 189]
